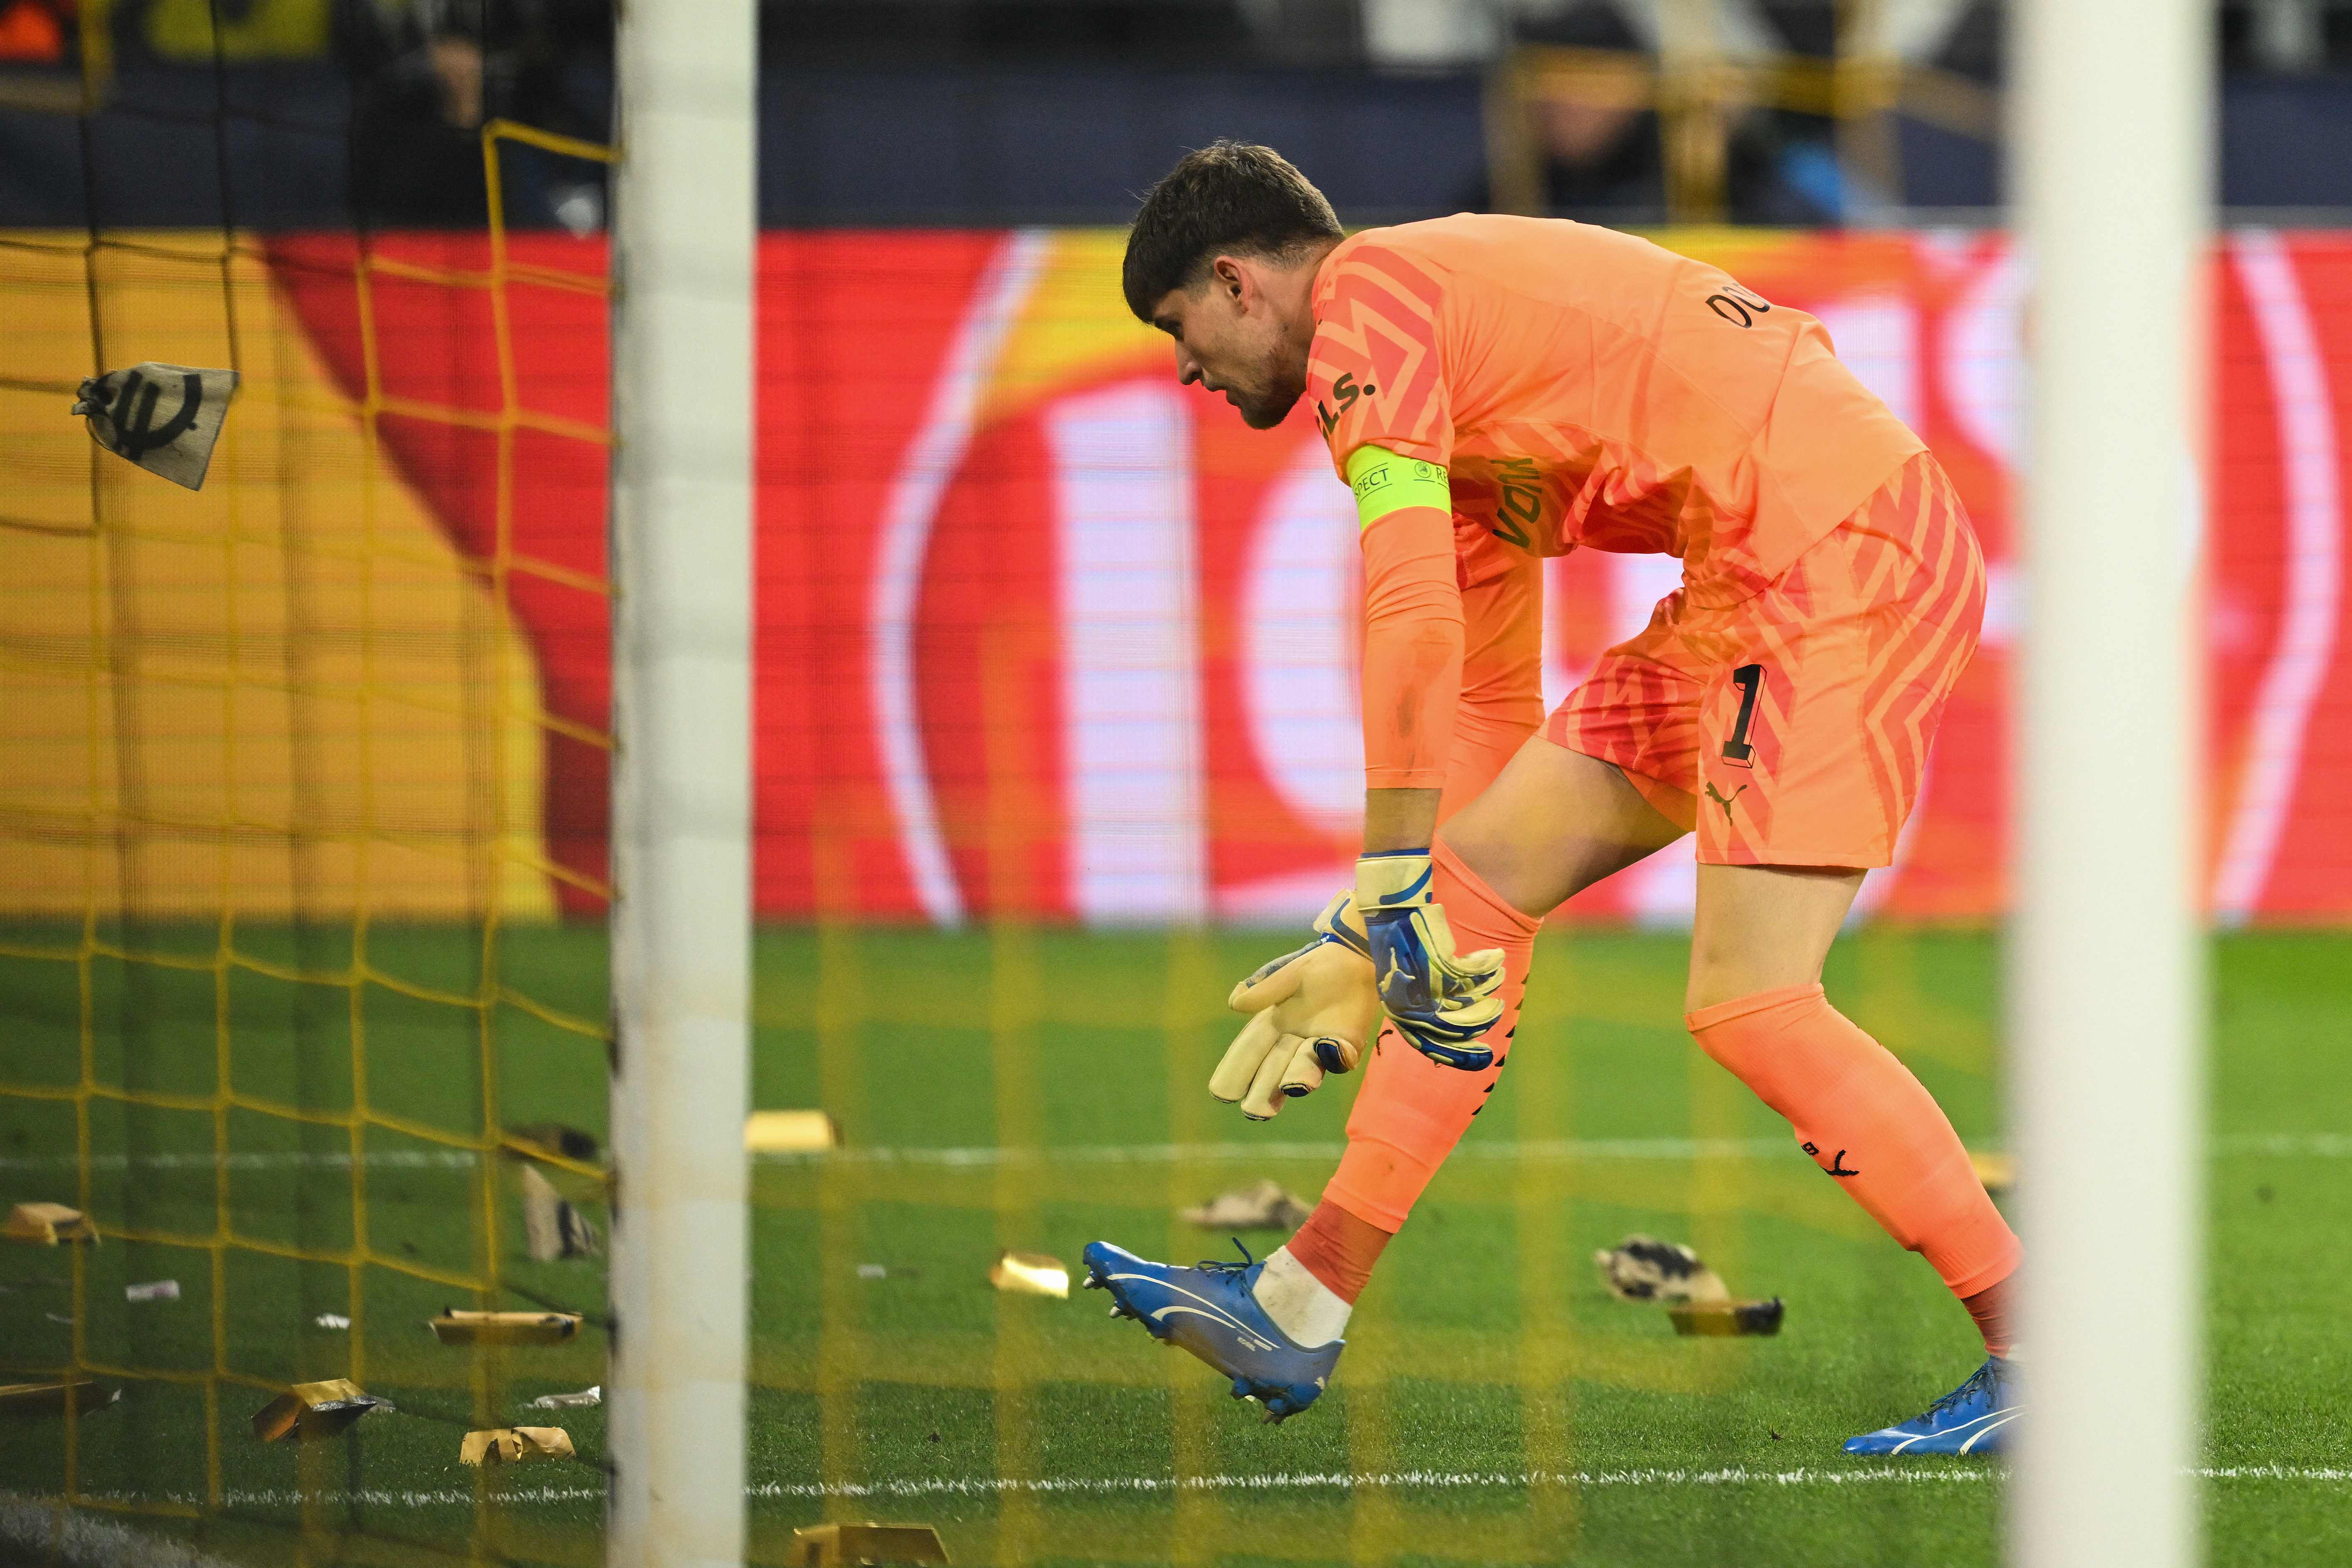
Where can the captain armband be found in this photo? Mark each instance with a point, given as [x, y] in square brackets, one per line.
[1384, 482]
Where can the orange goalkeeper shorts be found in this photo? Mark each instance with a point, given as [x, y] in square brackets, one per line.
[1792, 727]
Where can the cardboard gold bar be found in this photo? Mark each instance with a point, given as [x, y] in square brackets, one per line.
[309, 1411]
[514, 1445]
[456, 1328]
[47, 1225]
[1727, 1319]
[1030, 1274]
[844, 1545]
[790, 1132]
[48, 1397]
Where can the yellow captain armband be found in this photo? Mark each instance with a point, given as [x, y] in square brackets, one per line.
[1384, 482]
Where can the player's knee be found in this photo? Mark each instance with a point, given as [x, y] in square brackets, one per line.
[1482, 843]
[1725, 971]
[1531, 870]
[1712, 989]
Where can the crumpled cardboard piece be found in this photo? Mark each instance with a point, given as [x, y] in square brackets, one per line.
[48, 1397]
[456, 1328]
[309, 1411]
[514, 1445]
[582, 1400]
[1262, 1206]
[552, 1228]
[47, 1224]
[1030, 1274]
[163, 417]
[1643, 1270]
[828, 1545]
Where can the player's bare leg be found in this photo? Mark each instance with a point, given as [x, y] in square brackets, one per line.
[1553, 823]
[1759, 928]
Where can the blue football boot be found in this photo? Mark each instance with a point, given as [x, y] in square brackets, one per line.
[1208, 1308]
[1972, 1419]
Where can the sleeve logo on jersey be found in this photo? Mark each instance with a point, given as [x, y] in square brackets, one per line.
[1345, 391]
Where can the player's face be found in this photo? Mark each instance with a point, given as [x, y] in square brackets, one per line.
[1229, 339]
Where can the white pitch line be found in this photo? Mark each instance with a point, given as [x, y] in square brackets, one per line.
[250, 1159]
[1177, 1153]
[1116, 1485]
[2288, 1145]
[2272, 1145]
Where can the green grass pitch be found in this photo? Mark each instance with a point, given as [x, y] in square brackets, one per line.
[1038, 1088]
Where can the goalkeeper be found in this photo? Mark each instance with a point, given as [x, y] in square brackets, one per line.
[1495, 390]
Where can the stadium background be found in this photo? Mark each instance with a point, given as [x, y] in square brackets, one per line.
[1001, 552]
[302, 822]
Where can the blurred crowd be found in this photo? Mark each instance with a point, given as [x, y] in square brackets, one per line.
[1597, 134]
[2255, 35]
[425, 76]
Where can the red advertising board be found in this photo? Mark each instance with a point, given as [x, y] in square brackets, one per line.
[1041, 631]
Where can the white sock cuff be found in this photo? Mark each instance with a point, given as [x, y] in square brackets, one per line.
[1301, 1306]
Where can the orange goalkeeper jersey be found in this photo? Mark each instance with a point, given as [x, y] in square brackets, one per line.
[1588, 388]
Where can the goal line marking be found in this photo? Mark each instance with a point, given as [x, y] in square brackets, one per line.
[2288, 1145]
[2275, 1145]
[1147, 1486]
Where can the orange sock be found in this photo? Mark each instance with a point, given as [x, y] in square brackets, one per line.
[1868, 1122]
[1410, 1112]
[1338, 1249]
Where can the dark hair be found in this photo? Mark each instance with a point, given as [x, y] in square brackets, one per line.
[1230, 198]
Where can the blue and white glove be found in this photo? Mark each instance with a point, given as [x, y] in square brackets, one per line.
[1441, 1001]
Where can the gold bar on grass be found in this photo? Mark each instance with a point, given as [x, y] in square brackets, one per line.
[47, 1224]
[1030, 1274]
[1997, 1172]
[1727, 1319]
[49, 1397]
[842, 1545]
[514, 1445]
[456, 1328]
[312, 1410]
[790, 1132]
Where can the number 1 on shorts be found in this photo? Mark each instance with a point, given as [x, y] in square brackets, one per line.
[1749, 679]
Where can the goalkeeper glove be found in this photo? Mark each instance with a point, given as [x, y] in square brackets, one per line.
[1441, 1001]
[1310, 1013]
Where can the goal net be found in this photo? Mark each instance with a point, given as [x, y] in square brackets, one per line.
[302, 857]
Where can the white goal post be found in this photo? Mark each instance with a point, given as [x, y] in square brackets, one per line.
[2109, 161]
[685, 214]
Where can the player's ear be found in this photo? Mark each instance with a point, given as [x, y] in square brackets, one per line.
[1233, 281]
